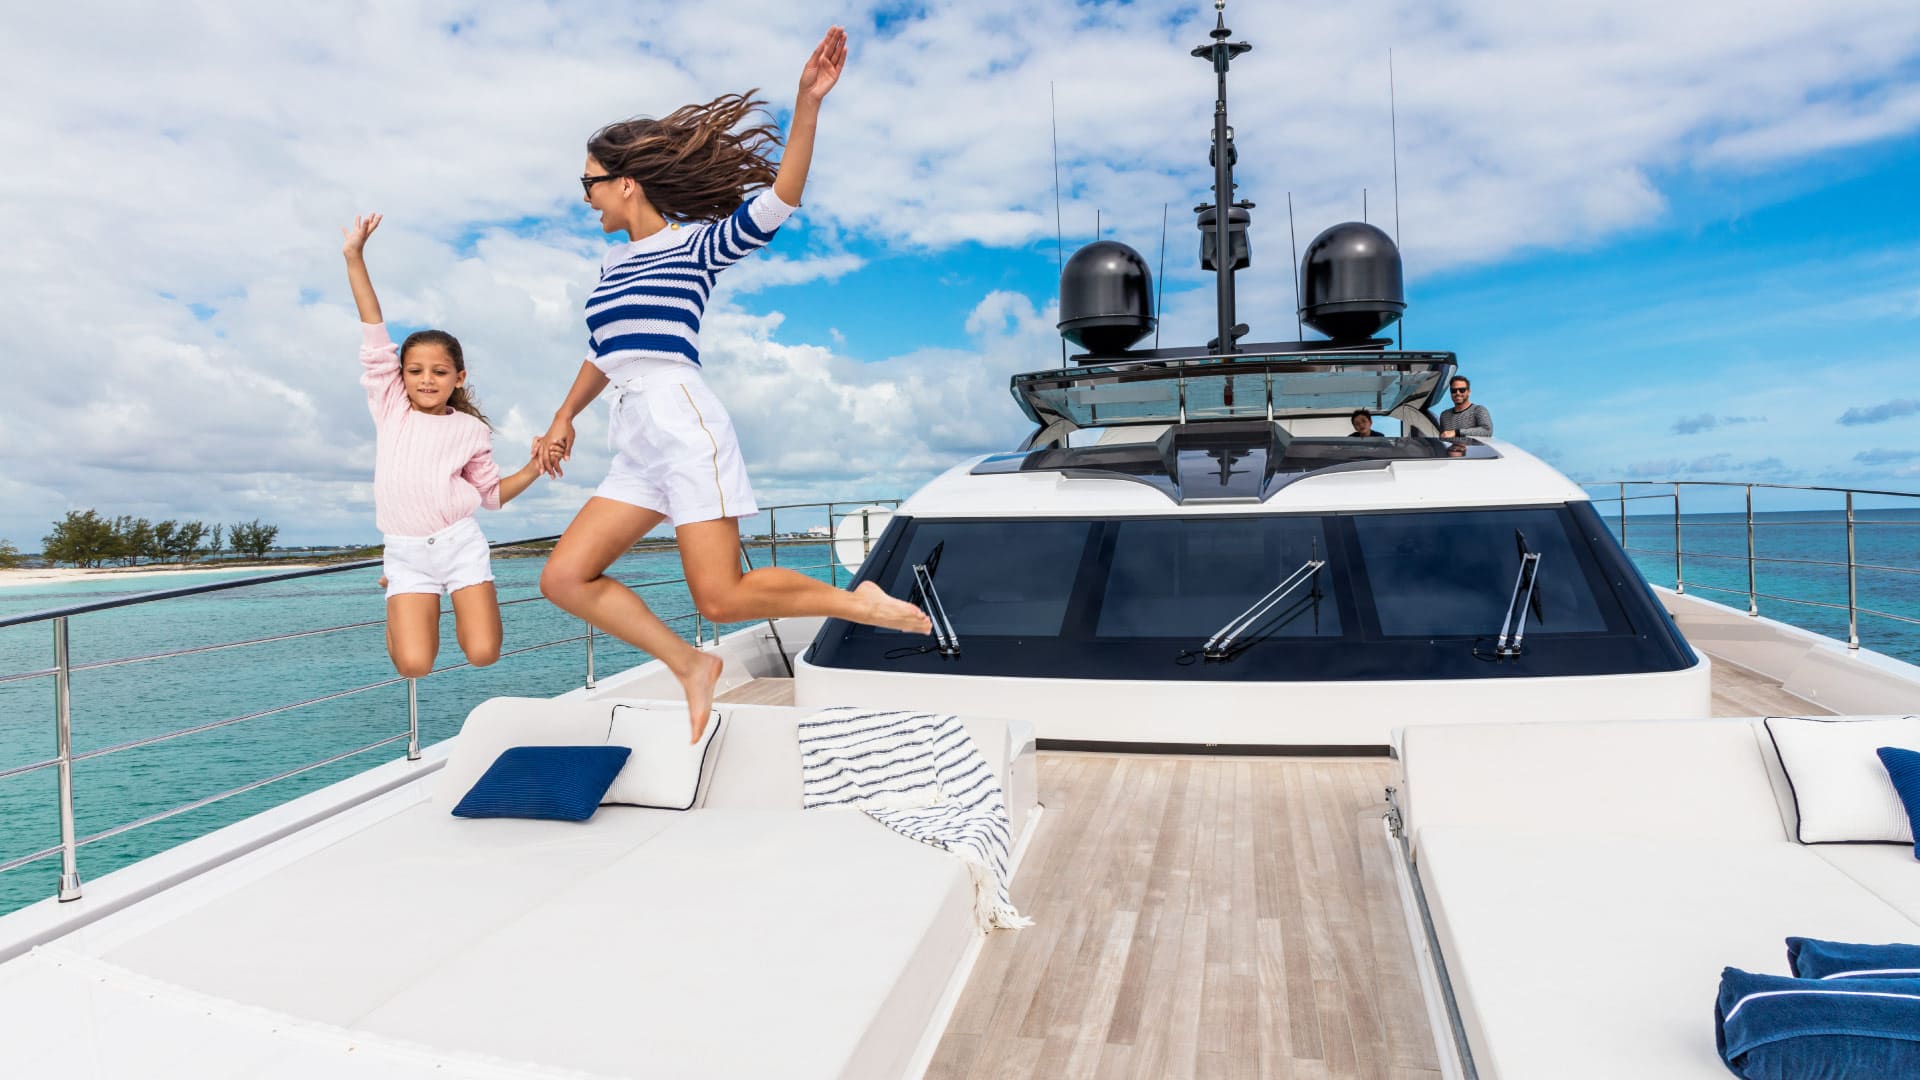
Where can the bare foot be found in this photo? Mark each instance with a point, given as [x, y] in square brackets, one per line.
[698, 684]
[894, 614]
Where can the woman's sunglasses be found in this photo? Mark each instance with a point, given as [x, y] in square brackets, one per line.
[587, 182]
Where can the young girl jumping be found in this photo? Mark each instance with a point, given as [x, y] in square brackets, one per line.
[677, 187]
[433, 468]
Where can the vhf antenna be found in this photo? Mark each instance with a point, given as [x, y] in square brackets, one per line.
[1059, 231]
[1160, 290]
[1220, 54]
[1299, 327]
[1393, 125]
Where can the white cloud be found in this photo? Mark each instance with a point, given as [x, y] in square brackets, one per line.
[199, 157]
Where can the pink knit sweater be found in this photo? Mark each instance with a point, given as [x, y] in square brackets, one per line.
[430, 471]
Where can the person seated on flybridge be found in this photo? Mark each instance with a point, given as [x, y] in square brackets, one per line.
[1465, 418]
[433, 467]
[1362, 426]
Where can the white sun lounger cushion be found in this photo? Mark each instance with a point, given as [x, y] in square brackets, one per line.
[1840, 789]
[664, 771]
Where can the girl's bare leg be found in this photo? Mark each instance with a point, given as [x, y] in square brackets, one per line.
[710, 551]
[476, 623]
[413, 632]
[575, 580]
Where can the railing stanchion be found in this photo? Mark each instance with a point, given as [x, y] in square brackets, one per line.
[1753, 598]
[699, 631]
[833, 567]
[773, 536]
[1853, 605]
[63, 747]
[1623, 513]
[1679, 582]
[590, 682]
[413, 719]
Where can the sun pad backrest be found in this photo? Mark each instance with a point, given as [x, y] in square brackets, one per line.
[1661, 778]
[498, 724]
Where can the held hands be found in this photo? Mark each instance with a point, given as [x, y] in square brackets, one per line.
[823, 67]
[356, 235]
[554, 447]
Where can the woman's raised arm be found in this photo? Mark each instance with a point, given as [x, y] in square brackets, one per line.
[822, 71]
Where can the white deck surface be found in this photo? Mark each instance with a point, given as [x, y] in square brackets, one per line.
[730, 941]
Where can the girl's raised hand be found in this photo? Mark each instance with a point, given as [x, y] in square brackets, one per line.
[823, 67]
[357, 233]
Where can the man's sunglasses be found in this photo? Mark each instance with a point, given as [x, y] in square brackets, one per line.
[1457, 390]
[587, 182]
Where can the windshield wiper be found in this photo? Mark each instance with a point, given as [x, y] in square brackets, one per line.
[943, 632]
[1514, 627]
[1220, 645]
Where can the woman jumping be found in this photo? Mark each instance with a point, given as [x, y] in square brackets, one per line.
[675, 455]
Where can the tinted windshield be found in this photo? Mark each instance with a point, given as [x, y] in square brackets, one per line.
[1189, 578]
[1402, 595]
[1453, 572]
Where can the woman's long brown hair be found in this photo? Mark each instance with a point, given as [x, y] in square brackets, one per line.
[691, 164]
[461, 400]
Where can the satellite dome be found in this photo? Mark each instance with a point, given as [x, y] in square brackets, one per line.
[1106, 297]
[1350, 282]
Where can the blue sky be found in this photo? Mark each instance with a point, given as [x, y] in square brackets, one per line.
[1666, 242]
[1788, 277]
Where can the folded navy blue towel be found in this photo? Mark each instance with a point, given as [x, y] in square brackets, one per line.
[1811, 958]
[1772, 1027]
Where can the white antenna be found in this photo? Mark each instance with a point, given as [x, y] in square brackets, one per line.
[1299, 328]
[1393, 122]
[1160, 286]
[1059, 232]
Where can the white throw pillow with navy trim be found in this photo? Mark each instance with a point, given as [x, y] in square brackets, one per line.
[1840, 789]
[664, 771]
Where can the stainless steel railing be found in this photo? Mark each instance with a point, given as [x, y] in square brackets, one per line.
[63, 669]
[1849, 519]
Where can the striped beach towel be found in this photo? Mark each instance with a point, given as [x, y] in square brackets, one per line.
[920, 775]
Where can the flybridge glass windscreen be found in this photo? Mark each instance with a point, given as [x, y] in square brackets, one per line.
[1110, 396]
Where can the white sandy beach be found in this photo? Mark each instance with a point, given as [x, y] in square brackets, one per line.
[57, 574]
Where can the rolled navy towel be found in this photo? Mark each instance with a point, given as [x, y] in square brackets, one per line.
[1811, 958]
[1774, 1027]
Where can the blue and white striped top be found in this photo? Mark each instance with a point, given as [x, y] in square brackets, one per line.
[653, 291]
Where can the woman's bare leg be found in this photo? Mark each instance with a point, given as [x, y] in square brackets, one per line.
[413, 632]
[574, 579]
[710, 551]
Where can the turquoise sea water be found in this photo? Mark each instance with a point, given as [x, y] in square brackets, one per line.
[120, 704]
[115, 705]
[1713, 564]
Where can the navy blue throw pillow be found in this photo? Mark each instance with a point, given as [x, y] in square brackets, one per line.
[554, 783]
[1903, 768]
[1812, 958]
[1771, 1027]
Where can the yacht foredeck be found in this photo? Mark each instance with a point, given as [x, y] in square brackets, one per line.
[1211, 916]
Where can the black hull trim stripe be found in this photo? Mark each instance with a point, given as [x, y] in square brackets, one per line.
[1215, 749]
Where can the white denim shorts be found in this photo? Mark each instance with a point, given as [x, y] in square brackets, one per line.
[674, 449]
[449, 560]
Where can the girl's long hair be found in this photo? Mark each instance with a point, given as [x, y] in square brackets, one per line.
[692, 164]
[461, 399]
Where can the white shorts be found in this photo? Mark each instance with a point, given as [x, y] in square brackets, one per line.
[449, 560]
[674, 450]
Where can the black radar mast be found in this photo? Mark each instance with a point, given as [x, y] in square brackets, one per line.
[1223, 225]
